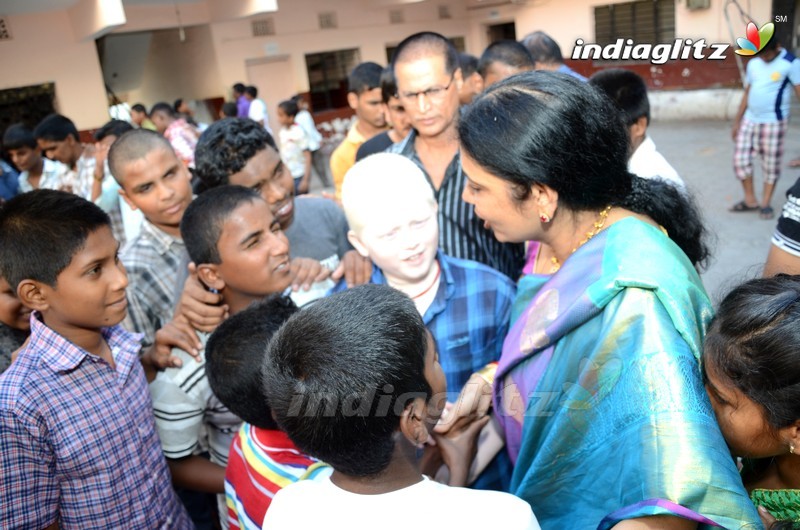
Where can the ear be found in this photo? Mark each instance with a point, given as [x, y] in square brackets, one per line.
[357, 243]
[458, 77]
[33, 294]
[478, 82]
[792, 435]
[412, 422]
[124, 195]
[209, 275]
[545, 198]
[638, 130]
[352, 100]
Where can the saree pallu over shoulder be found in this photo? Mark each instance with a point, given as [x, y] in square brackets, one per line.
[600, 394]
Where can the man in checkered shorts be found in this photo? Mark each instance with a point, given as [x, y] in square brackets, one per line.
[761, 123]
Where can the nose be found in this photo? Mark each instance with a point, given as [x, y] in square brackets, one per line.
[279, 244]
[120, 281]
[466, 196]
[423, 104]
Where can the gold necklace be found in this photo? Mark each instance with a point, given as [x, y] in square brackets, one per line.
[596, 227]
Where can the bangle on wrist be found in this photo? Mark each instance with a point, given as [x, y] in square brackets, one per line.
[488, 372]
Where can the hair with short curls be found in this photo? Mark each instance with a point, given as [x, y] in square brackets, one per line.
[754, 343]
[225, 148]
[552, 129]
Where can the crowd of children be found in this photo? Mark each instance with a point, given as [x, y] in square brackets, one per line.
[186, 342]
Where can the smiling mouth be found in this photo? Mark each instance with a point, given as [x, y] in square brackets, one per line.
[284, 210]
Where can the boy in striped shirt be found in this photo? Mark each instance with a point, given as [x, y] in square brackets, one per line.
[262, 459]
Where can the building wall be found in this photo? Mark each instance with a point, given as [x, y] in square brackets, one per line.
[43, 49]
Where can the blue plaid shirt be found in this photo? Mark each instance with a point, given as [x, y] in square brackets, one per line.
[79, 444]
[468, 318]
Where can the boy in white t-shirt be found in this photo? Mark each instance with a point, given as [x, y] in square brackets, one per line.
[295, 151]
[355, 381]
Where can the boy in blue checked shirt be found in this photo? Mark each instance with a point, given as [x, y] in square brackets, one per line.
[79, 447]
[466, 305]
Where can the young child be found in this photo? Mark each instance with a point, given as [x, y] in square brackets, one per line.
[36, 171]
[392, 214]
[15, 323]
[79, 446]
[241, 253]
[354, 380]
[153, 181]
[295, 152]
[262, 458]
[751, 367]
[629, 92]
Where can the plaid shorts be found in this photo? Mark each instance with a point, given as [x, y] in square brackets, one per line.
[764, 140]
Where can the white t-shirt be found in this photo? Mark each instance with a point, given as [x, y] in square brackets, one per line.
[258, 112]
[426, 504]
[648, 163]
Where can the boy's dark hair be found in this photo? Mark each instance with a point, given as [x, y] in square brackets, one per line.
[113, 128]
[40, 232]
[203, 220]
[627, 90]
[289, 107]
[138, 107]
[251, 91]
[177, 104]
[164, 107]
[424, 44]
[340, 372]
[543, 48]
[56, 128]
[754, 343]
[18, 136]
[235, 356]
[468, 64]
[508, 52]
[229, 109]
[225, 148]
[388, 84]
[364, 77]
[239, 88]
[772, 44]
[134, 144]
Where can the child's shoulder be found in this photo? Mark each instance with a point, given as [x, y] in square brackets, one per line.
[481, 506]
[471, 271]
[189, 378]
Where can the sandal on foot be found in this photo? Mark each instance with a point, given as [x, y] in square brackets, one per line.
[766, 212]
[742, 206]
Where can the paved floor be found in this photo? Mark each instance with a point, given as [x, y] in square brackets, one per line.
[702, 152]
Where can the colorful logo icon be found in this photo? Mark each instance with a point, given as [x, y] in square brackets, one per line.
[756, 38]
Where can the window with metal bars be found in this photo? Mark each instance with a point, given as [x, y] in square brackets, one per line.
[644, 21]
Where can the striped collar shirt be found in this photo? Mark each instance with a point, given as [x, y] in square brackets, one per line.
[79, 444]
[153, 260]
[461, 232]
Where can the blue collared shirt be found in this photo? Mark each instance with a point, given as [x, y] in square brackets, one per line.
[468, 318]
[79, 444]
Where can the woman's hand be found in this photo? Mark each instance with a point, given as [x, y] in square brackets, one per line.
[472, 405]
[458, 447]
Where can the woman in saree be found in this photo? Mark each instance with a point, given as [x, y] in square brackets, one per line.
[599, 390]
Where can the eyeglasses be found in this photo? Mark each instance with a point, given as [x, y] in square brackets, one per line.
[433, 94]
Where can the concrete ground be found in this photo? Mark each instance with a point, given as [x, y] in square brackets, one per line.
[701, 152]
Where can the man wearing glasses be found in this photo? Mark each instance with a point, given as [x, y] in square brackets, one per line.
[428, 83]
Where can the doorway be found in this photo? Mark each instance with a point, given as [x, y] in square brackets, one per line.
[506, 31]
